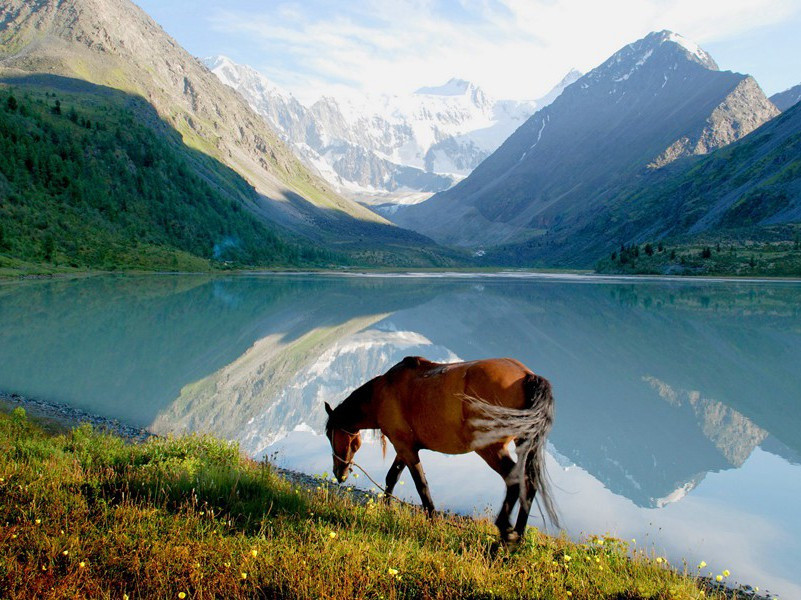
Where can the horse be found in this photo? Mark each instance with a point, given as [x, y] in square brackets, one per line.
[455, 408]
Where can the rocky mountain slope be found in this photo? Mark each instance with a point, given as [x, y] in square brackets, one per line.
[114, 43]
[387, 145]
[651, 103]
[787, 98]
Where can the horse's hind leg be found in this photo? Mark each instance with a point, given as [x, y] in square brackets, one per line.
[527, 493]
[498, 458]
[392, 476]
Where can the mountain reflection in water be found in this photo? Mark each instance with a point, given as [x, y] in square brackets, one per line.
[659, 385]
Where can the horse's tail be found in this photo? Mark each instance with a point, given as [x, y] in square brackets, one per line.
[530, 427]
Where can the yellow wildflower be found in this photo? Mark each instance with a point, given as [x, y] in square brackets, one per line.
[659, 560]
[38, 521]
[254, 553]
[719, 578]
[702, 564]
[392, 571]
[181, 595]
[332, 534]
[726, 572]
[82, 564]
[66, 552]
[243, 575]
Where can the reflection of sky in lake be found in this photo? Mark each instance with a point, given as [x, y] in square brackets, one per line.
[677, 419]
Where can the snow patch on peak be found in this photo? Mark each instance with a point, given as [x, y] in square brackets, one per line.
[454, 87]
[691, 47]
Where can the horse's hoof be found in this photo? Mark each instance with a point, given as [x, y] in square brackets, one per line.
[511, 539]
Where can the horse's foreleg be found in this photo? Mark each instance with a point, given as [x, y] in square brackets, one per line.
[416, 468]
[392, 476]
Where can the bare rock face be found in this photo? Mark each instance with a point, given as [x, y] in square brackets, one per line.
[115, 44]
[740, 113]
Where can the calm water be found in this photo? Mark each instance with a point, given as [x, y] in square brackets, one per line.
[678, 416]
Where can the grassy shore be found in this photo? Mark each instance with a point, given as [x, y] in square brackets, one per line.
[85, 514]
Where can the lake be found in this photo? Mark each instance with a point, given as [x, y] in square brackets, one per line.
[678, 402]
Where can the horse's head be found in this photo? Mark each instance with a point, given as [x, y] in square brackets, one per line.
[344, 445]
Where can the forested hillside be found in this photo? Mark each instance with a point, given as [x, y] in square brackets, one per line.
[84, 183]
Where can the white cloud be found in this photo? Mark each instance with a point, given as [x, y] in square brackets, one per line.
[512, 48]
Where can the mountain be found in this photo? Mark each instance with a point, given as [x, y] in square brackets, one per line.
[113, 43]
[787, 98]
[750, 190]
[84, 183]
[387, 145]
[653, 102]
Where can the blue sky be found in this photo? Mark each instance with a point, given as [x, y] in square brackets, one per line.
[512, 48]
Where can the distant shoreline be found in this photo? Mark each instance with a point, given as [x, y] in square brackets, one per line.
[444, 273]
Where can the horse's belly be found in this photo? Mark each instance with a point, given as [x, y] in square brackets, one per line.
[442, 435]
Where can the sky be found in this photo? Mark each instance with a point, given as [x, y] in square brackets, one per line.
[516, 49]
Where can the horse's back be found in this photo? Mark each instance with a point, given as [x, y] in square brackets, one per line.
[429, 398]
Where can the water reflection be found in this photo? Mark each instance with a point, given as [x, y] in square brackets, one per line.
[674, 399]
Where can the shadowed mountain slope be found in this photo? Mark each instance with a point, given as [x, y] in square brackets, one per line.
[653, 102]
[787, 98]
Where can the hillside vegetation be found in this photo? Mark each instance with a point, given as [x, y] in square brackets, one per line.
[87, 515]
[84, 183]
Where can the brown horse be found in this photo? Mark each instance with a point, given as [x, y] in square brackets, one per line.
[478, 406]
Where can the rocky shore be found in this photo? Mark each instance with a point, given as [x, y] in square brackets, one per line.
[61, 415]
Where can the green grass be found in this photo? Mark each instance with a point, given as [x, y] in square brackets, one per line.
[84, 514]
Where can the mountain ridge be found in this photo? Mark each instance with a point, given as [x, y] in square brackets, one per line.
[787, 98]
[387, 145]
[650, 103]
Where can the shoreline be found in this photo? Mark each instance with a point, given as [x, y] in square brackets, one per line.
[60, 418]
[63, 416]
[443, 272]
[56, 417]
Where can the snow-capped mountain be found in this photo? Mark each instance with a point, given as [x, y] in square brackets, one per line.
[654, 101]
[383, 146]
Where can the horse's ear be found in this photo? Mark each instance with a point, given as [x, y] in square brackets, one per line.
[328, 409]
